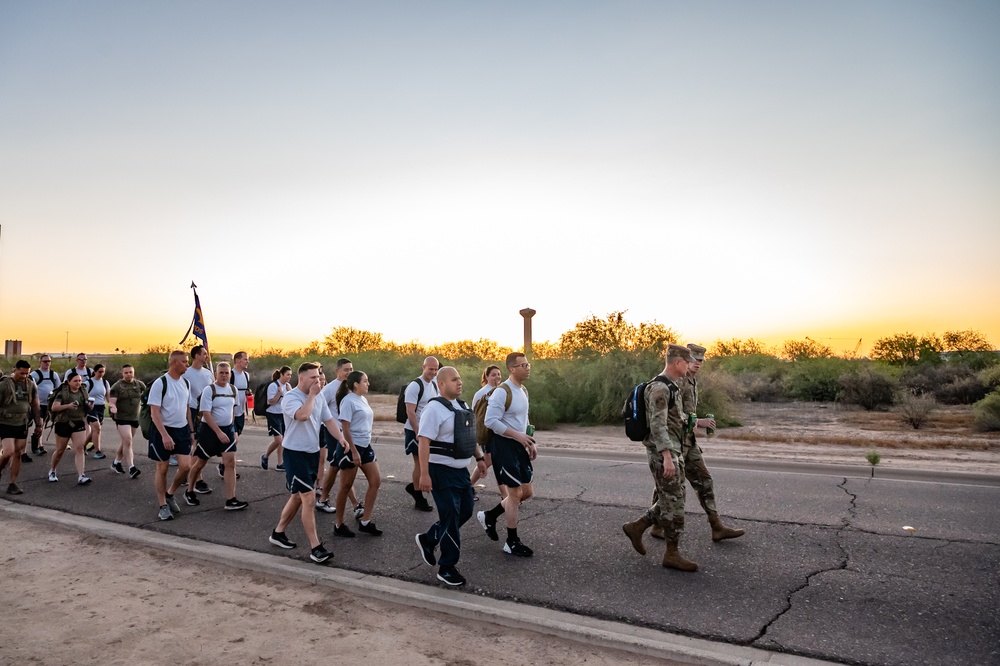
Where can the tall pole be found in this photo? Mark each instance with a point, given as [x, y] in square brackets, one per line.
[527, 313]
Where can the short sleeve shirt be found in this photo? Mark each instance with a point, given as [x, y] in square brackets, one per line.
[355, 410]
[303, 435]
[46, 382]
[413, 390]
[174, 403]
[241, 380]
[127, 396]
[98, 390]
[198, 379]
[15, 400]
[272, 390]
[222, 405]
[438, 425]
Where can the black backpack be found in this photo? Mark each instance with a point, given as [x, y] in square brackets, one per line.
[260, 398]
[634, 409]
[401, 401]
[464, 445]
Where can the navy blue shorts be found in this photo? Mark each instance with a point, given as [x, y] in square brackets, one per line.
[275, 425]
[209, 445]
[511, 464]
[239, 422]
[301, 469]
[344, 461]
[96, 414]
[182, 443]
[410, 446]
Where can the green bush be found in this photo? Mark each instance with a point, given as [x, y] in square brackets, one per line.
[816, 379]
[759, 387]
[867, 388]
[717, 391]
[951, 384]
[990, 377]
[986, 412]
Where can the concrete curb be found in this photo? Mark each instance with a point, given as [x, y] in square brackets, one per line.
[579, 628]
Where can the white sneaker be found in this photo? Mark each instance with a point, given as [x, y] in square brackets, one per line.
[84, 480]
[52, 476]
[325, 507]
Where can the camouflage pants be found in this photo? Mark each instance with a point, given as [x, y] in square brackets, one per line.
[667, 510]
[697, 473]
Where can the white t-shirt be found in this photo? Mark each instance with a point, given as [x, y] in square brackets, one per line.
[241, 380]
[198, 379]
[45, 384]
[329, 396]
[272, 390]
[355, 410]
[223, 405]
[174, 403]
[516, 418]
[86, 373]
[413, 390]
[303, 435]
[438, 425]
[97, 389]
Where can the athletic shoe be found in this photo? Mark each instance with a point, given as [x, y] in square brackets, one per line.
[235, 504]
[280, 467]
[52, 476]
[263, 461]
[450, 576]
[369, 528]
[165, 513]
[319, 555]
[172, 503]
[343, 531]
[475, 497]
[281, 541]
[84, 480]
[489, 525]
[100, 455]
[517, 549]
[40, 451]
[420, 502]
[25, 458]
[201, 487]
[89, 446]
[191, 499]
[426, 551]
[13, 489]
[325, 507]
[359, 510]
[173, 461]
[117, 467]
[134, 472]
[222, 471]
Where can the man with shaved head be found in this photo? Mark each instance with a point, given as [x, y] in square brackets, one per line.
[418, 393]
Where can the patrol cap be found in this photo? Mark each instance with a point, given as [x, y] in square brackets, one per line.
[679, 351]
[697, 352]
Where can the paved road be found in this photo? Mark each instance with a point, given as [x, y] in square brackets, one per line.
[826, 569]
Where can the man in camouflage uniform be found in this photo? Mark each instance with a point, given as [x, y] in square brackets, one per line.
[18, 404]
[694, 464]
[665, 413]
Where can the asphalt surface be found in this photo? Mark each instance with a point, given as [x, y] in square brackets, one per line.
[826, 569]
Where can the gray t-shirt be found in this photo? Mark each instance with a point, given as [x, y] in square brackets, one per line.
[303, 435]
[515, 418]
[355, 410]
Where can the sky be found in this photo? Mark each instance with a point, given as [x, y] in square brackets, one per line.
[425, 170]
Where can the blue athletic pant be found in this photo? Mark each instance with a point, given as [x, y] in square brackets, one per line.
[452, 494]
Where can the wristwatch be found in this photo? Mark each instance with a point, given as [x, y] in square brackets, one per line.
[478, 459]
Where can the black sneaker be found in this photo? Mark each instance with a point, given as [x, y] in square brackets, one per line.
[343, 531]
[191, 499]
[201, 487]
[280, 540]
[450, 576]
[319, 555]
[40, 451]
[222, 471]
[489, 525]
[426, 552]
[517, 549]
[25, 458]
[235, 504]
[369, 528]
[134, 472]
[14, 489]
[117, 467]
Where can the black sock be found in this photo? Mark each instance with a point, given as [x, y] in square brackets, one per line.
[169, 496]
[494, 513]
[512, 535]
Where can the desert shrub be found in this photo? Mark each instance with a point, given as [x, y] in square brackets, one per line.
[760, 387]
[951, 384]
[740, 364]
[991, 377]
[816, 379]
[867, 388]
[915, 410]
[986, 412]
[717, 391]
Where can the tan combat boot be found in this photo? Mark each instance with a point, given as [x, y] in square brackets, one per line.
[634, 532]
[657, 532]
[720, 531]
[673, 560]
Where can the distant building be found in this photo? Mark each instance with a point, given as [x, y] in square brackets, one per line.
[11, 348]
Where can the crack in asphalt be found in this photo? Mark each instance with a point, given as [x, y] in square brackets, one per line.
[841, 566]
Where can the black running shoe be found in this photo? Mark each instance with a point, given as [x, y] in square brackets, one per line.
[222, 471]
[40, 451]
[280, 540]
[235, 504]
[517, 549]
[191, 499]
[489, 525]
[134, 472]
[426, 551]
[369, 528]
[343, 531]
[450, 576]
[25, 458]
[201, 487]
[319, 555]
[117, 467]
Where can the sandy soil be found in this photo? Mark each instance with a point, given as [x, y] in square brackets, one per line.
[70, 598]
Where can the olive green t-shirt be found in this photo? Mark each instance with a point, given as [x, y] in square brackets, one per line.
[64, 397]
[16, 400]
[127, 395]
